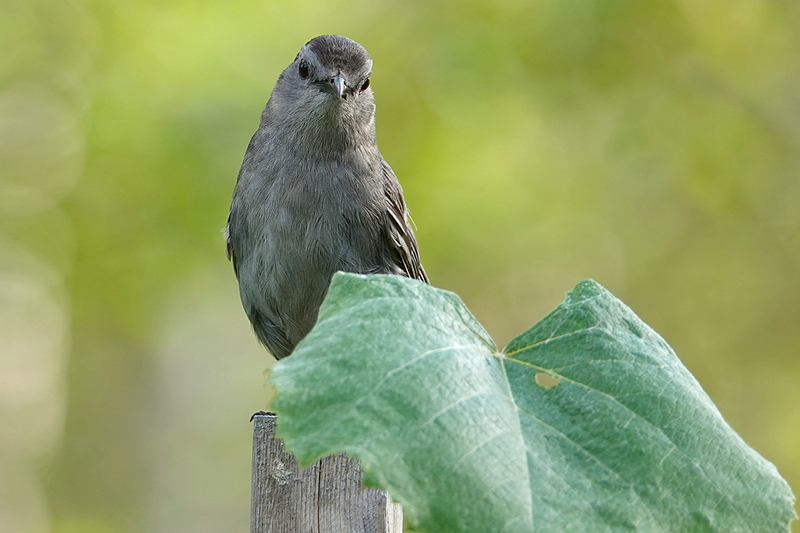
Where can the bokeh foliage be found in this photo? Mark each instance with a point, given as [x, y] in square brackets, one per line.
[652, 146]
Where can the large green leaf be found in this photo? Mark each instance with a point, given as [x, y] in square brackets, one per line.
[586, 422]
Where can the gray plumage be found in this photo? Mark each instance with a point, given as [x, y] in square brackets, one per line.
[314, 195]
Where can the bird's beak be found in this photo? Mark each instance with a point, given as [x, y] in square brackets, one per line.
[339, 84]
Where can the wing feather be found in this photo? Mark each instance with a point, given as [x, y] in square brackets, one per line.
[401, 243]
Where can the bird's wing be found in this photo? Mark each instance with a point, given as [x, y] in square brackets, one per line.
[235, 218]
[401, 243]
[229, 245]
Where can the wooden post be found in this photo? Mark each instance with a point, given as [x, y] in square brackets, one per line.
[326, 497]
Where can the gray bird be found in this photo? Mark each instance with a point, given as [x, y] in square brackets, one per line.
[314, 195]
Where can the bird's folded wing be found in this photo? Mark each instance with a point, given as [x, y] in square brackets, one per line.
[401, 243]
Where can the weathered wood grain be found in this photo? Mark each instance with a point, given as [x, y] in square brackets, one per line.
[326, 497]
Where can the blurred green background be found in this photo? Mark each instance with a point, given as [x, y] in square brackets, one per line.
[653, 146]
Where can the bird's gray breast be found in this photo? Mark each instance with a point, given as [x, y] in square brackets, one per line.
[303, 222]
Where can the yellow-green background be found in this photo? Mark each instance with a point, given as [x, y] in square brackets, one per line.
[651, 145]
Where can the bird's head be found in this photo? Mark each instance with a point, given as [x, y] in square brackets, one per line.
[335, 65]
[330, 76]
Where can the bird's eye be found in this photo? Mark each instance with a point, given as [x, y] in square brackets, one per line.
[365, 85]
[303, 69]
